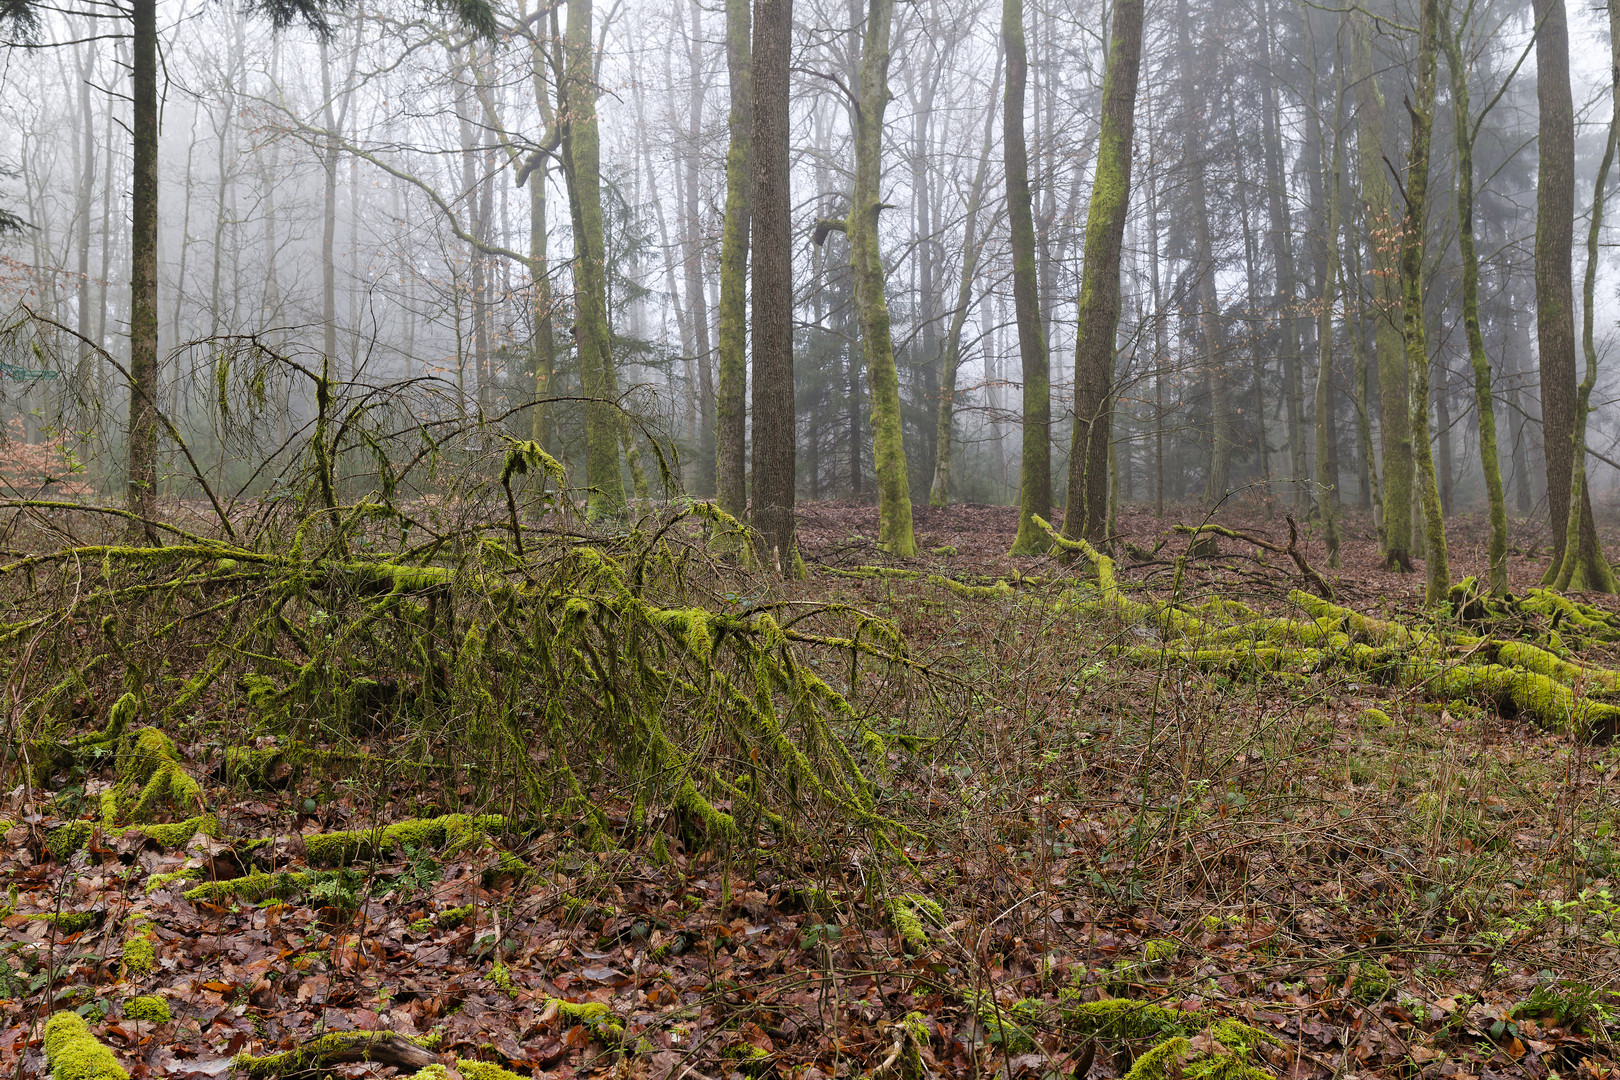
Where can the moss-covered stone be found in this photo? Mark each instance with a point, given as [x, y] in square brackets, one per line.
[150, 1008]
[75, 1054]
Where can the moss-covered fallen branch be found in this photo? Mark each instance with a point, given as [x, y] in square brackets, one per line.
[335, 1048]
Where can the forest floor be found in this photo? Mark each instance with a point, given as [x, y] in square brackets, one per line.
[1423, 889]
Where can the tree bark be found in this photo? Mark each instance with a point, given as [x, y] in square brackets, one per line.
[1463, 129]
[1584, 566]
[1555, 243]
[143, 277]
[1035, 469]
[581, 151]
[731, 406]
[872, 306]
[1098, 307]
[775, 421]
[1394, 409]
[1437, 582]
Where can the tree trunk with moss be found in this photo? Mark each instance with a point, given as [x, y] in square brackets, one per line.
[581, 153]
[1087, 515]
[1583, 566]
[1464, 128]
[731, 419]
[1035, 470]
[1394, 408]
[1436, 569]
[939, 493]
[775, 420]
[871, 306]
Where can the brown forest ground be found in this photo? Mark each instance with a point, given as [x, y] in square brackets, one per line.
[1425, 897]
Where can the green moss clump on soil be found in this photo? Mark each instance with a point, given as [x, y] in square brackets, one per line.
[75, 1054]
[68, 840]
[69, 922]
[139, 951]
[150, 1008]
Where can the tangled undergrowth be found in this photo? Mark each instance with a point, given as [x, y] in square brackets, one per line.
[432, 785]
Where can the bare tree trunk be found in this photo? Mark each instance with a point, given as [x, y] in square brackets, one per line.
[775, 419]
[731, 408]
[972, 246]
[143, 277]
[1282, 251]
[692, 262]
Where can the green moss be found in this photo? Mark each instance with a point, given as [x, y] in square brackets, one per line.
[1007, 1026]
[75, 1054]
[907, 911]
[68, 840]
[1376, 718]
[1123, 1019]
[448, 919]
[502, 978]
[150, 1008]
[483, 1070]
[308, 1056]
[139, 950]
[69, 922]
[158, 881]
[1158, 951]
[1373, 984]
[251, 888]
[1224, 1052]
[594, 1015]
[451, 832]
[179, 833]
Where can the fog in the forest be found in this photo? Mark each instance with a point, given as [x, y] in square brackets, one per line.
[353, 199]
